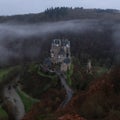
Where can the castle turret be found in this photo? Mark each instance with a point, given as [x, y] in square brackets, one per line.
[60, 53]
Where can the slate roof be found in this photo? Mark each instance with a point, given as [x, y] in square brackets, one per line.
[56, 41]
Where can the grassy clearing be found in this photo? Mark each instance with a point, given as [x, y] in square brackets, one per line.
[45, 75]
[36, 68]
[100, 71]
[69, 74]
[4, 72]
[27, 100]
[3, 114]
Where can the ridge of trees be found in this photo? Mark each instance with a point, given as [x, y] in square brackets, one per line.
[63, 13]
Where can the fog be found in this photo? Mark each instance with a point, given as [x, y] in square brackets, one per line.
[10, 33]
[46, 28]
[15, 43]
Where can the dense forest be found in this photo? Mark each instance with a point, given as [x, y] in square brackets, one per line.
[25, 41]
[94, 34]
[64, 13]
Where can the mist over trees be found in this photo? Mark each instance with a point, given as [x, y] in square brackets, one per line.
[94, 74]
[64, 13]
[92, 33]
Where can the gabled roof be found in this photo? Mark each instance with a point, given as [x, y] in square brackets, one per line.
[56, 41]
[62, 42]
[65, 42]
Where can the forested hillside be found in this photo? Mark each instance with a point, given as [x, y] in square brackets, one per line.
[94, 34]
[92, 81]
[64, 13]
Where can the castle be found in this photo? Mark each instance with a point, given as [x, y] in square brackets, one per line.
[60, 53]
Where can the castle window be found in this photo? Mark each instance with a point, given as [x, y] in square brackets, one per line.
[67, 54]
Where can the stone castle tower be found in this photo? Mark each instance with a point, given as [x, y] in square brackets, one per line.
[60, 53]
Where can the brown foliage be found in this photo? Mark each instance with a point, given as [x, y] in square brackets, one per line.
[101, 101]
[71, 117]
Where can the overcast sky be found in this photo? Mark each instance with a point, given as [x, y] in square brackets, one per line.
[11, 7]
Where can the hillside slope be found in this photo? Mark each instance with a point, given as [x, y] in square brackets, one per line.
[63, 13]
[100, 101]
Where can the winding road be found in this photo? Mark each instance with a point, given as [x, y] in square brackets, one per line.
[12, 100]
[62, 77]
[69, 91]
[13, 104]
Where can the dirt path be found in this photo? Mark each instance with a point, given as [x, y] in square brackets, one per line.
[12, 100]
[62, 77]
[69, 91]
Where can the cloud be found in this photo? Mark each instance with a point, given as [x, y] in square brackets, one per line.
[47, 28]
[14, 38]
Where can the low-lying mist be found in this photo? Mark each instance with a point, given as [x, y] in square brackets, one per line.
[24, 42]
[27, 30]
